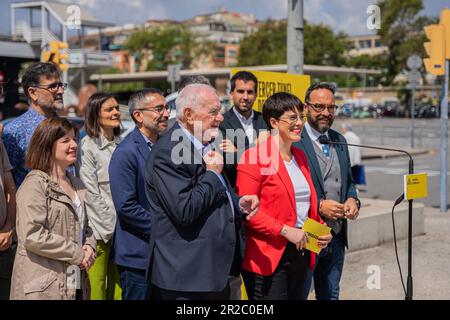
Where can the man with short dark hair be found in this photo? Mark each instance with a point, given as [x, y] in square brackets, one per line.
[150, 113]
[332, 178]
[241, 125]
[42, 85]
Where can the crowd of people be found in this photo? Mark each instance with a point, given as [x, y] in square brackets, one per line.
[198, 209]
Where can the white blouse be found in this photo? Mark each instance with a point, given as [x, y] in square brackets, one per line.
[302, 192]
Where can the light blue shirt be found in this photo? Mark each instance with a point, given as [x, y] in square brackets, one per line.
[147, 141]
[203, 149]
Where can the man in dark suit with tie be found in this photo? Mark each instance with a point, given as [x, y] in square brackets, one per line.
[197, 238]
[131, 239]
[242, 125]
[332, 178]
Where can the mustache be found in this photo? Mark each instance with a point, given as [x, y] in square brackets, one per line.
[163, 119]
[59, 97]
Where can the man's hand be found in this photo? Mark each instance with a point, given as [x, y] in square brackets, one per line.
[332, 209]
[6, 235]
[214, 161]
[249, 205]
[351, 209]
[89, 257]
[1, 130]
[227, 146]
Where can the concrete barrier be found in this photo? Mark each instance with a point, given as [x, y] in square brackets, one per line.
[374, 224]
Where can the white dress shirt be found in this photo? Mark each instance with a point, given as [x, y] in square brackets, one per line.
[247, 124]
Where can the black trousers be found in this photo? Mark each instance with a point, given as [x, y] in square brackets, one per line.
[163, 294]
[287, 281]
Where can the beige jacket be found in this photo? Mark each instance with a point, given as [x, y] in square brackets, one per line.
[94, 157]
[48, 233]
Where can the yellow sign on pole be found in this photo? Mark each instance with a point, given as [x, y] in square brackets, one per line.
[273, 82]
[415, 186]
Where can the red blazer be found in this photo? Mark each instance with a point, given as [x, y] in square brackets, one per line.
[261, 171]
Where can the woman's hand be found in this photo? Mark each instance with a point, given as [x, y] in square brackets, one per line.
[89, 257]
[323, 241]
[295, 236]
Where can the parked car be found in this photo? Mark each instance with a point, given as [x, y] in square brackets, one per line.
[345, 110]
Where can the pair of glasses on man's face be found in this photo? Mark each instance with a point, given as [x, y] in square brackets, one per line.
[53, 87]
[321, 107]
[158, 109]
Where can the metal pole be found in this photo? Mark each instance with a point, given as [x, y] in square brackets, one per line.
[295, 37]
[409, 280]
[412, 116]
[444, 137]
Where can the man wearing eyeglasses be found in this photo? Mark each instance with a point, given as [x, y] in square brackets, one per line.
[44, 90]
[150, 113]
[332, 178]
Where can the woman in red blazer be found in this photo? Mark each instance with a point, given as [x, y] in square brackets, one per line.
[275, 264]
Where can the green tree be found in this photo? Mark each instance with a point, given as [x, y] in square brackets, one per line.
[265, 46]
[402, 32]
[168, 45]
[268, 45]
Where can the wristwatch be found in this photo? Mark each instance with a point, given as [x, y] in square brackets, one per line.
[358, 203]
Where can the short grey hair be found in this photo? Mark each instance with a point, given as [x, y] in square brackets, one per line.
[192, 80]
[193, 96]
[136, 98]
[346, 126]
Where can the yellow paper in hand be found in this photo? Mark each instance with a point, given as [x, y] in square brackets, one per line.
[314, 230]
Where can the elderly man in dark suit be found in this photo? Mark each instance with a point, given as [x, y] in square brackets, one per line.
[332, 178]
[127, 173]
[197, 239]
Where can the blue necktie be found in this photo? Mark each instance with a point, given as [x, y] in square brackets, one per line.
[326, 148]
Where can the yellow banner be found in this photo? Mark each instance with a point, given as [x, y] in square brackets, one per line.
[273, 82]
[314, 230]
[415, 186]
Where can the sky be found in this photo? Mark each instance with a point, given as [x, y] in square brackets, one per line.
[349, 16]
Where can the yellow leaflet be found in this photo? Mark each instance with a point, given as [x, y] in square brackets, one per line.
[314, 230]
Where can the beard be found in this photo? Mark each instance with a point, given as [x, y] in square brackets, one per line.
[320, 127]
[56, 104]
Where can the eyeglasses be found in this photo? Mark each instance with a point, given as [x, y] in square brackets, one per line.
[158, 109]
[53, 87]
[321, 107]
[293, 119]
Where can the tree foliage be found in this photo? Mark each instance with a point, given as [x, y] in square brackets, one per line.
[268, 45]
[167, 45]
[402, 32]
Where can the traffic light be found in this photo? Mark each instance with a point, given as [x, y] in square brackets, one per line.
[56, 56]
[445, 21]
[435, 49]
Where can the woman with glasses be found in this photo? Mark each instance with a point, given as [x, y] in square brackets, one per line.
[102, 126]
[275, 263]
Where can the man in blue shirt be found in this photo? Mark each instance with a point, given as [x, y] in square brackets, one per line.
[150, 113]
[44, 90]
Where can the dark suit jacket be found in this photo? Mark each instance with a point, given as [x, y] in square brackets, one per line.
[231, 121]
[127, 180]
[348, 189]
[196, 242]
